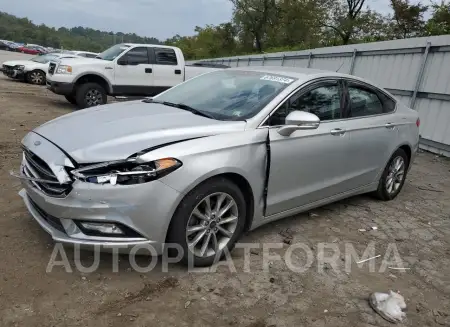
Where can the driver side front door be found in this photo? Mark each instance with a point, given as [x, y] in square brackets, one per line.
[308, 165]
[133, 73]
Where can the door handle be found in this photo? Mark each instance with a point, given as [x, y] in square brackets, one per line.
[177, 71]
[148, 70]
[337, 132]
[389, 125]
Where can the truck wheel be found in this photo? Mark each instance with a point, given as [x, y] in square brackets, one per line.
[36, 77]
[90, 95]
[71, 99]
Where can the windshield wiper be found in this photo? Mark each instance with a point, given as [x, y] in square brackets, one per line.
[181, 106]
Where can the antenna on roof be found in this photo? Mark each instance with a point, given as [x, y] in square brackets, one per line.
[340, 66]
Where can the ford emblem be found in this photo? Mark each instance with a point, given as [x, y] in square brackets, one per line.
[37, 143]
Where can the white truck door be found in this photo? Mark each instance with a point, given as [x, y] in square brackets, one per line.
[167, 69]
[134, 73]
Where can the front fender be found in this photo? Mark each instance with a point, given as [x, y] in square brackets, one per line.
[97, 73]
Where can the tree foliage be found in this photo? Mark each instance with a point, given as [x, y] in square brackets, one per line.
[262, 26]
[76, 38]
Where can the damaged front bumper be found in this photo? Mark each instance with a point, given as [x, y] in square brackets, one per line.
[139, 213]
[13, 72]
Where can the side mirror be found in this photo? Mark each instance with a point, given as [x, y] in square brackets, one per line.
[299, 120]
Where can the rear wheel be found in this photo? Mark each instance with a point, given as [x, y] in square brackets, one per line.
[90, 95]
[394, 176]
[208, 221]
[36, 77]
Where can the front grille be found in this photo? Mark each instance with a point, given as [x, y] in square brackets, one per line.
[37, 168]
[52, 221]
[7, 70]
[51, 68]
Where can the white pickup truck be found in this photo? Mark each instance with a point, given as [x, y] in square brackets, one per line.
[123, 70]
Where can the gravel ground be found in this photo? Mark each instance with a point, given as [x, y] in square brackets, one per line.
[417, 224]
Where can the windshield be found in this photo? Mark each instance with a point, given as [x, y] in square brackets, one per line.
[44, 59]
[112, 53]
[228, 94]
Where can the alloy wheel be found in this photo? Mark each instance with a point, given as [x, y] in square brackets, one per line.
[212, 224]
[36, 78]
[93, 98]
[395, 176]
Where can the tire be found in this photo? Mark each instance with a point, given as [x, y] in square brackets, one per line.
[71, 99]
[90, 95]
[384, 191]
[195, 199]
[36, 77]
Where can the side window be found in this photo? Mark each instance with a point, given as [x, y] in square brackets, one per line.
[388, 103]
[90, 55]
[323, 101]
[82, 54]
[136, 56]
[165, 57]
[364, 102]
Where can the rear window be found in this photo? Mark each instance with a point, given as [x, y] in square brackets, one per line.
[165, 57]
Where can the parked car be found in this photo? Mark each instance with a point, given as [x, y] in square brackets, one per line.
[123, 70]
[33, 70]
[8, 45]
[219, 154]
[28, 50]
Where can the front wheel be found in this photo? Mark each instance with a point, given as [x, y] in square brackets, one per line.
[90, 95]
[208, 221]
[36, 77]
[394, 176]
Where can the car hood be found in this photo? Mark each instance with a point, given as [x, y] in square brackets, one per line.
[82, 61]
[18, 62]
[117, 131]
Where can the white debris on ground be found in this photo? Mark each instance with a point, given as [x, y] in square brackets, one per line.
[388, 305]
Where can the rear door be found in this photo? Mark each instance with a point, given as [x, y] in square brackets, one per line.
[167, 70]
[133, 73]
[372, 130]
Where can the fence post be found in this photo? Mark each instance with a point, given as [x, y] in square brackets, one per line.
[223, 60]
[309, 60]
[249, 59]
[237, 62]
[229, 62]
[264, 58]
[352, 64]
[420, 75]
[282, 60]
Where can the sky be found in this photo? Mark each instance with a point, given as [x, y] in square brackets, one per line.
[158, 18]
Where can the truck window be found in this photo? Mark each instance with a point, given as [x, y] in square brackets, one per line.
[165, 56]
[136, 56]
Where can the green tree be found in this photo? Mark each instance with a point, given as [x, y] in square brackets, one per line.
[408, 20]
[439, 23]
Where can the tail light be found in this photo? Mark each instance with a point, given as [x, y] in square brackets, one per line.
[418, 122]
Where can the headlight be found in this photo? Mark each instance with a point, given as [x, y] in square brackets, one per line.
[64, 69]
[19, 67]
[126, 172]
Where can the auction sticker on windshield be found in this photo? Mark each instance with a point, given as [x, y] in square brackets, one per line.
[278, 79]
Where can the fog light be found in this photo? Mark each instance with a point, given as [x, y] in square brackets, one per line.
[103, 228]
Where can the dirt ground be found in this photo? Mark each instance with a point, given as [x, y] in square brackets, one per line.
[417, 223]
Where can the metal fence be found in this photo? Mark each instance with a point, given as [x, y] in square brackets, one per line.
[416, 71]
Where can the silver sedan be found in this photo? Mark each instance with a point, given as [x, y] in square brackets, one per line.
[220, 154]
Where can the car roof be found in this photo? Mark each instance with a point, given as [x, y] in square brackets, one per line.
[302, 74]
[147, 45]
